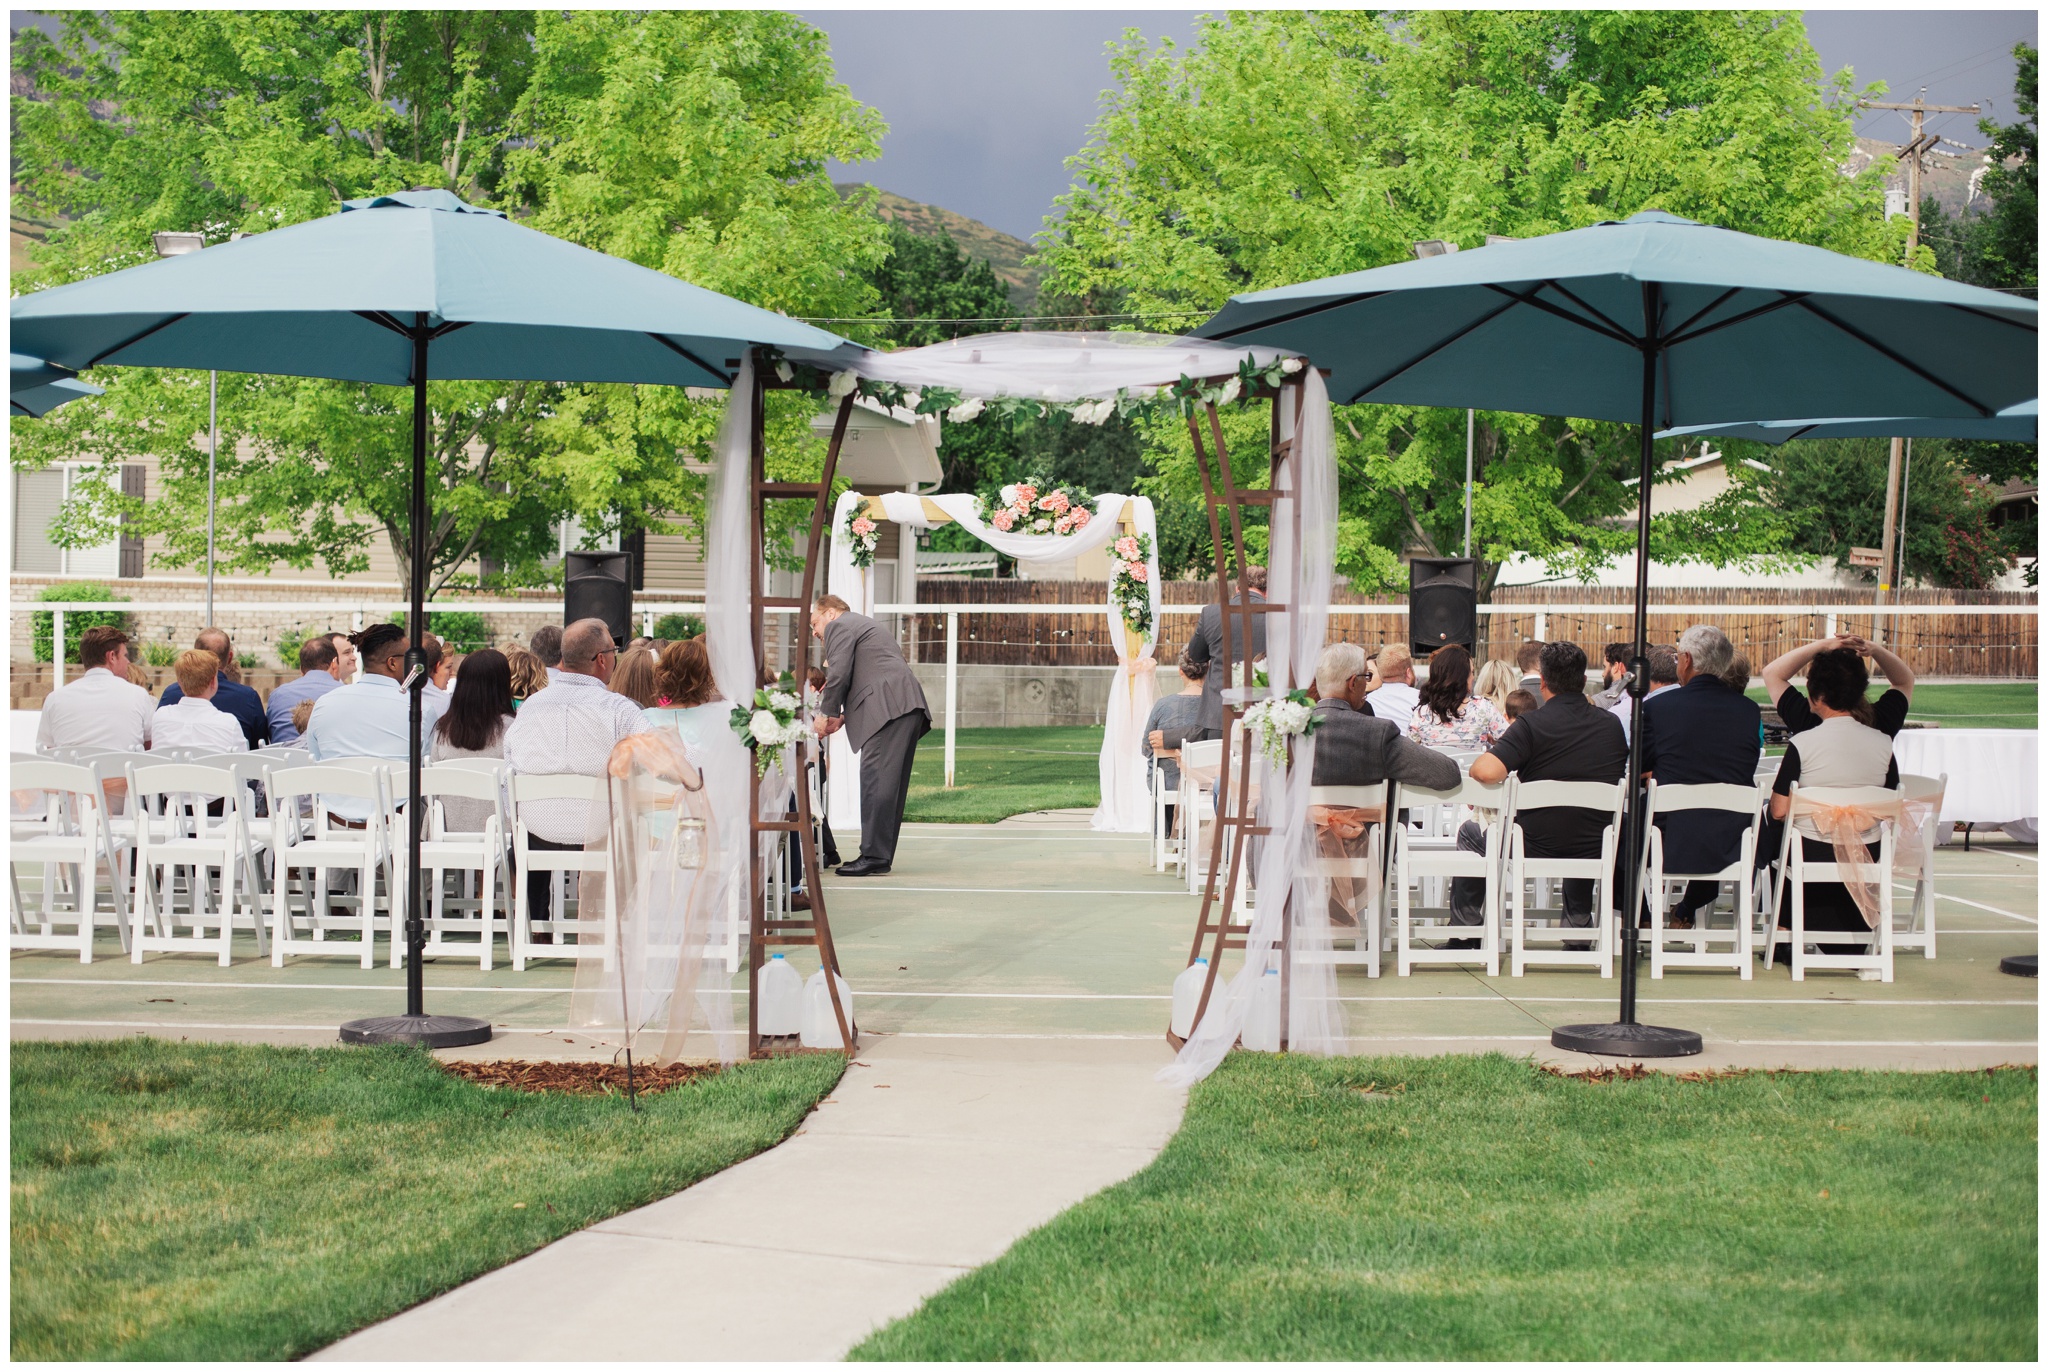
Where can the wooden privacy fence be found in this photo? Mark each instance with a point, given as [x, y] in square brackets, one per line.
[2001, 642]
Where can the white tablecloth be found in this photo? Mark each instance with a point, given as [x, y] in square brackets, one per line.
[1992, 773]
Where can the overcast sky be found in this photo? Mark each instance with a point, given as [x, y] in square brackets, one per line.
[984, 107]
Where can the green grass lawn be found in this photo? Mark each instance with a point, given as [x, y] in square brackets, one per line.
[1003, 772]
[1475, 1207]
[226, 1202]
[1972, 705]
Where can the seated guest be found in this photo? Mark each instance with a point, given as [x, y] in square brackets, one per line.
[1698, 734]
[1449, 715]
[547, 646]
[686, 694]
[569, 729]
[1739, 672]
[1207, 646]
[370, 717]
[529, 674]
[634, 677]
[1663, 677]
[1837, 749]
[1615, 676]
[319, 673]
[1180, 711]
[100, 708]
[232, 696]
[473, 725]
[346, 664]
[1528, 659]
[1354, 747]
[302, 715]
[1520, 703]
[193, 721]
[1887, 716]
[1392, 694]
[440, 664]
[1496, 681]
[1567, 739]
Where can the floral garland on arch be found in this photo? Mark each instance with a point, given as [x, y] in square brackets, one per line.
[864, 535]
[1034, 507]
[1129, 575]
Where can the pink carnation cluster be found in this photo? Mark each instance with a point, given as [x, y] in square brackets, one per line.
[863, 526]
[1127, 548]
[1136, 569]
[1076, 518]
[1057, 503]
[1003, 520]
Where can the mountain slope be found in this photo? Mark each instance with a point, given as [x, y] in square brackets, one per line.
[1000, 250]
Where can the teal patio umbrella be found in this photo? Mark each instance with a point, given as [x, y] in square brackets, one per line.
[2019, 423]
[1662, 322]
[38, 388]
[391, 290]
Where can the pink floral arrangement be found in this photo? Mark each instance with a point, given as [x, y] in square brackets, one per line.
[1031, 508]
[863, 534]
[1127, 548]
[1128, 576]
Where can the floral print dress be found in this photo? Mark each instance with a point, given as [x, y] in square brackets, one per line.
[1474, 728]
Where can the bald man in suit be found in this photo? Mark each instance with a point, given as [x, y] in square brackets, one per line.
[871, 692]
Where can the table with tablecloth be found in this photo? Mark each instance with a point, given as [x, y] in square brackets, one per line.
[1992, 775]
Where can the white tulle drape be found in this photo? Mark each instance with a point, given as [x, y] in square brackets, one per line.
[1126, 806]
[1299, 572]
[1059, 367]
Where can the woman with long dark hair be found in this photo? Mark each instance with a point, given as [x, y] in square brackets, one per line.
[473, 725]
[1448, 715]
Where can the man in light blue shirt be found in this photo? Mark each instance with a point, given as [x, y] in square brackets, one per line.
[317, 659]
[368, 718]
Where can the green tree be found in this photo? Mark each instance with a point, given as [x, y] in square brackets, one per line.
[694, 143]
[2012, 246]
[1286, 146]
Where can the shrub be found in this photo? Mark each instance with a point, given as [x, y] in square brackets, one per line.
[288, 644]
[158, 652]
[463, 631]
[246, 661]
[43, 625]
[675, 627]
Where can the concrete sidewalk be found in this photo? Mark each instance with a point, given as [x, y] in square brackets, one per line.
[931, 1157]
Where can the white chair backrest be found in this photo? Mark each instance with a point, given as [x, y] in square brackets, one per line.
[1466, 792]
[58, 782]
[1741, 800]
[362, 764]
[183, 778]
[466, 782]
[495, 766]
[1923, 788]
[1577, 795]
[1880, 801]
[558, 787]
[1206, 752]
[1353, 797]
[18, 758]
[287, 783]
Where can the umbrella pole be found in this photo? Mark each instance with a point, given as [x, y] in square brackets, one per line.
[416, 1026]
[1625, 1037]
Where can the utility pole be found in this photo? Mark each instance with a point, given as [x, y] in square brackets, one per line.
[1912, 153]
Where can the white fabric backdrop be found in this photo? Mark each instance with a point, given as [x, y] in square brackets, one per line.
[1120, 765]
[1992, 773]
[1286, 861]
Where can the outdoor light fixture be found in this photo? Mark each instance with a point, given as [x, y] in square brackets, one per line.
[177, 244]
[1434, 247]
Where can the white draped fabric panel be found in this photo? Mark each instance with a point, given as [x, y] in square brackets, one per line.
[1121, 765]
[1286, 860]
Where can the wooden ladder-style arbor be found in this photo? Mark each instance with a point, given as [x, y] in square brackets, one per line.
[814, 928]
[1227, 498]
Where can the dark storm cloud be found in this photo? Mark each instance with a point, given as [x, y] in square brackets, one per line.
[1962, 57]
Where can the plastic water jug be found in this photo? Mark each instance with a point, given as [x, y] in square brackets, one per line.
[820, 1026]
[1262, 1025]
[1187, 994]
[782, 997]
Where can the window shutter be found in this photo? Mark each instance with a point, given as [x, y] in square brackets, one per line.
[133, 484]
[38, 496]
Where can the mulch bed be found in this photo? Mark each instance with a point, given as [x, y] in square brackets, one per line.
[577, 1078]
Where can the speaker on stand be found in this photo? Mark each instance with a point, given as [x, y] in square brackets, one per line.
[1443, 604]
[599, 586]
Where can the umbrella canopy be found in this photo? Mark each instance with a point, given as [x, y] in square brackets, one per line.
[396, 289]
[2019, 423]
[1746, 328]
[333, 297]
[38, 401]
[1664, 322]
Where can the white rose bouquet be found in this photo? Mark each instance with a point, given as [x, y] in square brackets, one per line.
[1271, 723]
[769, 724]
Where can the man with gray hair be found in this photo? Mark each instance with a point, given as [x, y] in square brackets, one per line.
[1355, 747]
[1704, 731]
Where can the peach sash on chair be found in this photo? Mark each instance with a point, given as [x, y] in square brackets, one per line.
[1848, 828]
[1345, 831]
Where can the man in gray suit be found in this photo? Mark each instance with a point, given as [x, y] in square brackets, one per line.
[1207, 646]
[871, 692]
[1355, 747]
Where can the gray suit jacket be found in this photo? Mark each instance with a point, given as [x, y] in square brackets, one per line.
[1207, 646]
[866, 678]
[1354, 749]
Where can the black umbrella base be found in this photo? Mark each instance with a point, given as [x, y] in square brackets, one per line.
[1627, 1040]
[428, 1031]
[2021, 965]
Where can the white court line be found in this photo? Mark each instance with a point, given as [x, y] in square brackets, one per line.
[1958, 900]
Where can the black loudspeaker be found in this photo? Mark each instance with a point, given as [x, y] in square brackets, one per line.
[599, 586]
[1443, 603]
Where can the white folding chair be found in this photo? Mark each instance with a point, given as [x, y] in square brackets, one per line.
[318, 843]
[1706, 945]
[173, 834]
[68, 838]
[1796, 871]
[462, 853]
[1424, 857]
[1198, 802]
[1165, 845]
[1523, 867]
[1917, 927]
[1366, 872]
[557, 863]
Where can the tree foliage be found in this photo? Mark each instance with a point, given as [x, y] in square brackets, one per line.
[1286, 146]
[692, 142]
